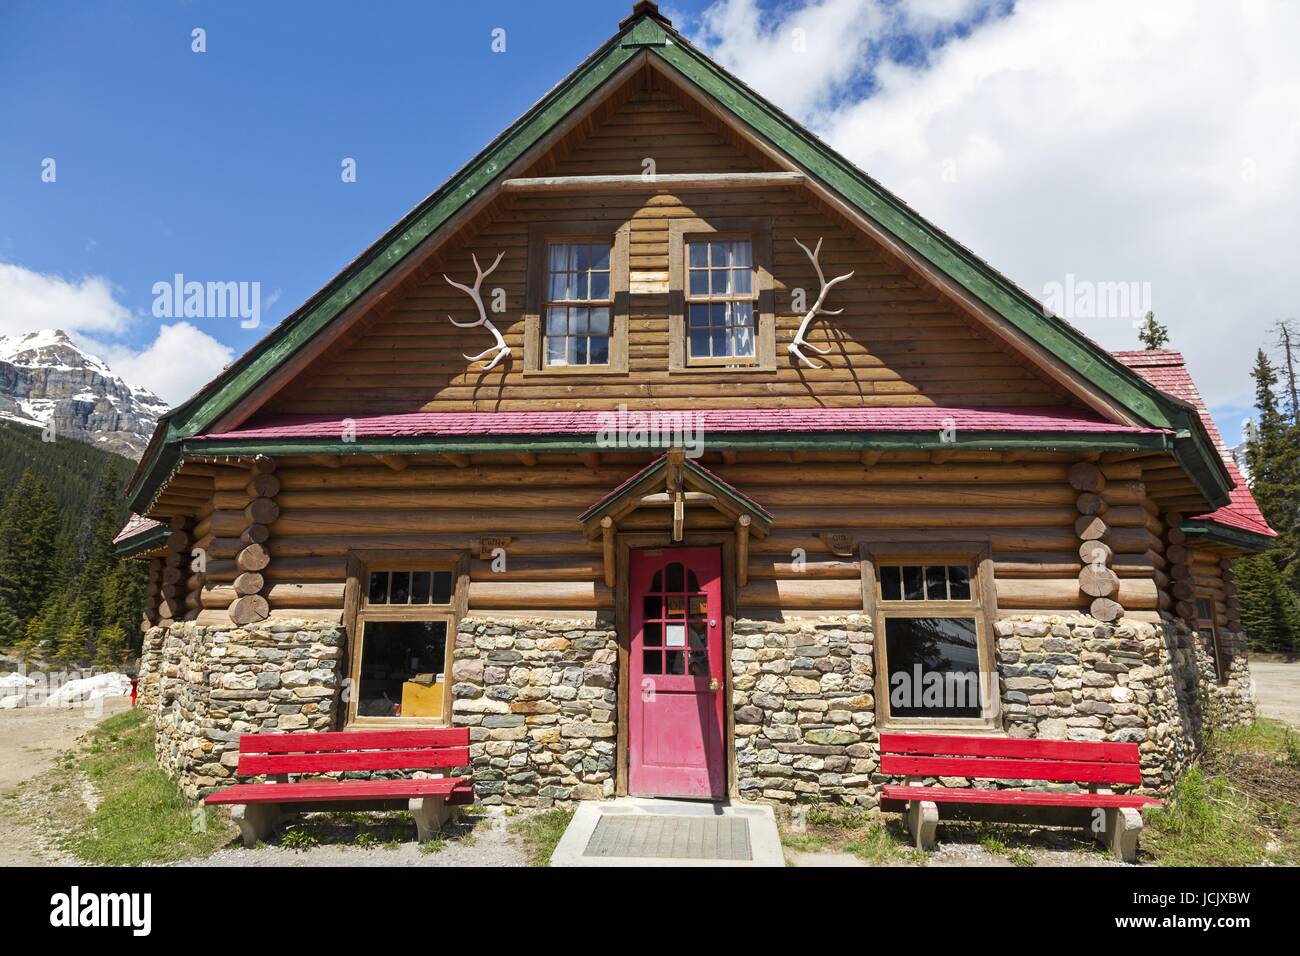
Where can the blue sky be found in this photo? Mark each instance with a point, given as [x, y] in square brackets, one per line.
[225, 165]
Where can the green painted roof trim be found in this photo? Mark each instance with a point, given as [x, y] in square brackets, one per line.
[147, 541]
[967, 440]
[1223, 534]
[646, 33]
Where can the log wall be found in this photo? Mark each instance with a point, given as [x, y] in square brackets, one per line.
[1026, 510]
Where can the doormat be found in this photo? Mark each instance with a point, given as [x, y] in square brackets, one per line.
[668, 837]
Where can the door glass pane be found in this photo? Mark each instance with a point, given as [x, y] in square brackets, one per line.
[654, 636]
[675, 577]
[933, 667]
[699, 664]
[654, 606]
[652, 662]
[676, 662]
[401, 673]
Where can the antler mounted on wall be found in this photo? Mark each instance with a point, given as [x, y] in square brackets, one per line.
[800, 343]
[500, 350]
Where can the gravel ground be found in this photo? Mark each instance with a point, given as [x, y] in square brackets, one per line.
[484, 839]
[31, 739]
[1278, 688]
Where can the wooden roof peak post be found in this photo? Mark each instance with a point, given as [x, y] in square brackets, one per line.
[676, 459]
[644, 8]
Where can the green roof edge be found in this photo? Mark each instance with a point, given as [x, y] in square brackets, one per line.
[1227, 535]
[145, 541]
[1195, 452]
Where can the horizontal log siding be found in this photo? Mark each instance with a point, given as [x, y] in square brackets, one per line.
[1025, 509]
[896, 343]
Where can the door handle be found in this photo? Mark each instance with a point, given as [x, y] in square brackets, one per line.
[713, 683]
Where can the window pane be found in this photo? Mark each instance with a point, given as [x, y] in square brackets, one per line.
[600, 285]
[742, 252]
[959, 582]
[555, 350]
[442, 584]
[742, 313]
[558, 290]
[933, 667]
[377, 593]
[698, 254]
[577, 351]
[742, 282]
[600, 258]
[400, 590]
[420, 587]
[598, 321]
[598, 350]
[578, 321]
[654, 636]
[558, 257]
[699, 344]
[891, 583]
[936, 583]
[675, 663]
[699, 282]
[581, 257]
[676, 578]
[402, 669]
[557, 320]
[913, 583]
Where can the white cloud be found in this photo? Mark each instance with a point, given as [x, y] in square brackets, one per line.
[36, 300]
[1153, 142]
[180, 361]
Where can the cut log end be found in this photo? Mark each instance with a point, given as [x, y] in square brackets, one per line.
[250, 582]
[1090, 527]
[249, 609]
[1105, 610]
[1085, 476]
[1098, 581]
[253, 558]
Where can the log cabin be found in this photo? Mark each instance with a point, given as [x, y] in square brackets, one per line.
[672, 455]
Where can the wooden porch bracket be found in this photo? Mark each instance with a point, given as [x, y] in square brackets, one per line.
[608, 531]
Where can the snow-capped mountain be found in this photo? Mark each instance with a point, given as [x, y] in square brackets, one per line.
[45, 377]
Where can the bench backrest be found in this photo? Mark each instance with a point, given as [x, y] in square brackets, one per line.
[353, 750]
[1005, 758]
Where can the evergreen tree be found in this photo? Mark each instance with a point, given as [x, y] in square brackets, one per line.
[110, 647]
[1273, 461]
[1152, 334]
[1270, 611]
[74, 642]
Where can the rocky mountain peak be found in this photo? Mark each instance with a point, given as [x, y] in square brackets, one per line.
[46, 378]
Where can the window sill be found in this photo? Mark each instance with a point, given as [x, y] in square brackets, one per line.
[590, 370]
[715, 369]
[974, 727]
[395, 723]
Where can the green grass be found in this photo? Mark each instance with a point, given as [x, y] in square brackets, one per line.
[1240, 806]
[877, 845]
[541, 833]
[141, 816]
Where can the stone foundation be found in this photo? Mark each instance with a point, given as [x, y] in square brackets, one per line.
[804, 709]
[209, 685]
[539, 698]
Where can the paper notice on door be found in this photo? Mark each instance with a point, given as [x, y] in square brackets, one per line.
[675, 635]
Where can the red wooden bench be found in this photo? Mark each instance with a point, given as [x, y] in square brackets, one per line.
[259, 807]
[1113, 818]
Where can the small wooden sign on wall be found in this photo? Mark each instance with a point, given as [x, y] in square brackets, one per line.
[489, 543]
[839, 542]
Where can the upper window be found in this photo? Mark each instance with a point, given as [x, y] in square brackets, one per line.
[721, 316]
[575, 315]
[720, 298]
[934, 658]
[402, 634]
[579, 304]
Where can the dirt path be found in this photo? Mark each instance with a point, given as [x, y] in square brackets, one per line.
[1278, 688]
[31, 739]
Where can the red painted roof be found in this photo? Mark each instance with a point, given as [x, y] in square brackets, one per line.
[1167, 371]
[921, 419]
[134, 526]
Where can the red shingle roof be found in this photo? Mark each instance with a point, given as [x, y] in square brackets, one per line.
[922, 419]
[1167, 371]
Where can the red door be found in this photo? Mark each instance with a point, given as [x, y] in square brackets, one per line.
[675, 723]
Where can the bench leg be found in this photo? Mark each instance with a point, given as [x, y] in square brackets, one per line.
[257, 821]
[922, 821]
[430, 814]
[1123, 827]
